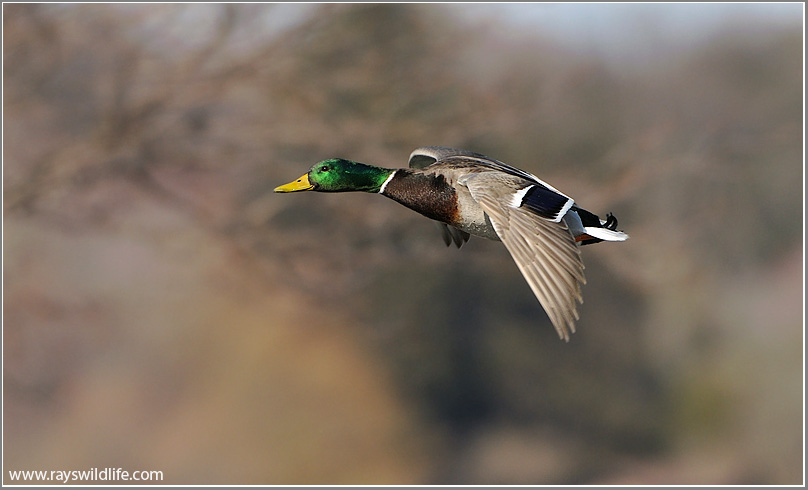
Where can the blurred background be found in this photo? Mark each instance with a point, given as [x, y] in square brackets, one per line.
[164, 310]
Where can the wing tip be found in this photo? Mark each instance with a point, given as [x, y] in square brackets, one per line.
[565, 328]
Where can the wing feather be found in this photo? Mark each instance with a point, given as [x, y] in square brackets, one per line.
[544, 251]
[427, 155]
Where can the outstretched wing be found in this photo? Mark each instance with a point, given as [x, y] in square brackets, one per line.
[427, 155]
[544, 250]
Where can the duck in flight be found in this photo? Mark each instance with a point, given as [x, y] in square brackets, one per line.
[470, 194]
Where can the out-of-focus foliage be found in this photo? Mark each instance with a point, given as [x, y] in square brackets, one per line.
[164, 310]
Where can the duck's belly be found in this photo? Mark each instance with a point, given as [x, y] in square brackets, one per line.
[485, 229]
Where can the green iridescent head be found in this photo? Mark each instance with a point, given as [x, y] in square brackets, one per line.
[339, 175]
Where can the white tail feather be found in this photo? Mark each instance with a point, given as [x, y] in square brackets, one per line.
[606, 234]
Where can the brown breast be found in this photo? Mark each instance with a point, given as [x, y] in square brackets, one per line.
[427, 194]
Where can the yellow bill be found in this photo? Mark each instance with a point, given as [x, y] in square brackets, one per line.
[301, 184]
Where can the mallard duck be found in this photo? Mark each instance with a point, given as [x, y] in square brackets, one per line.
[471, 194]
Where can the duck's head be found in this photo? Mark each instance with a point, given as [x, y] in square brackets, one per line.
[339, 175]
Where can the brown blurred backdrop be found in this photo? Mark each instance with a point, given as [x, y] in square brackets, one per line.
[164, 310]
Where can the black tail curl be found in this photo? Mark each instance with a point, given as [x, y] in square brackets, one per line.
[589, 219]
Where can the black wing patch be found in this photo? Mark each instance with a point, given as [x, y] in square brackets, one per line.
[545, 202]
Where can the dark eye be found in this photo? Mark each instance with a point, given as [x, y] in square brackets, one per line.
[324, 168]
